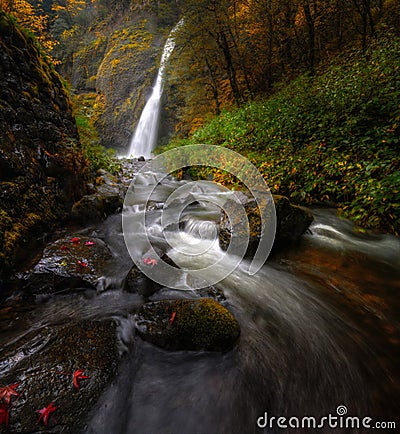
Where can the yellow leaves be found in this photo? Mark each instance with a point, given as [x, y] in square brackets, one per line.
[33, 18]
[57, 8]
[72, 7]
[115, 62]
[69, 33]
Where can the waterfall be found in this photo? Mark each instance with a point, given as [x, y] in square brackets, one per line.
[145, 137]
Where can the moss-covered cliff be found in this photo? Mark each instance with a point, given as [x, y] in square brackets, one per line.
[116, 65]
[40, 162]
[124, 78]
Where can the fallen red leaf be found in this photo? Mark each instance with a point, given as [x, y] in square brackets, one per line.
[64, 247]
[75, 240]
[7, 392]
[89, 243]
[150, 261]
[78, 377]
[45, 413]
[4, 415]
[171, 320]
[82, 264]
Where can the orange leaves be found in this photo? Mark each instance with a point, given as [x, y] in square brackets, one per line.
[150, 261]
[172, 318]
[7, 392]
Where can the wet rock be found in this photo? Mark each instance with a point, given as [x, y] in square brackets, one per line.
[106, 198]
[67, 264]
[201, 324]
[291, 222]
[137, 282]
[43, 363]
[211, 292]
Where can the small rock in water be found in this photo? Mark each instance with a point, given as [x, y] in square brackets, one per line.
[141, 158]
[138, 282]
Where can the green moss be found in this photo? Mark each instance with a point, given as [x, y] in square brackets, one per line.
[192, 325]
[205, 324]
[86, 107]
[5, 224]
[18, 231]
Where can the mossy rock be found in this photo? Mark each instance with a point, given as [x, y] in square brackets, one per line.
[195, 325]
[107, 199]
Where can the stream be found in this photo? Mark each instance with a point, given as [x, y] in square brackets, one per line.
[319, 329]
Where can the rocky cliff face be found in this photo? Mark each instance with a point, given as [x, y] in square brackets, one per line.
[40, 163]
[116, 67]
[125, 77]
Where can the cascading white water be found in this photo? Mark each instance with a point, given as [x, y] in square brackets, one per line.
[145, 137]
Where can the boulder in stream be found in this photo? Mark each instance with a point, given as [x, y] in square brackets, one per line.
[68, 263]
[201, 324]
[291, 222]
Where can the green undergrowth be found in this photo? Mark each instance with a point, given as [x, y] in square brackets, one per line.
[98, 157]
[334, 138]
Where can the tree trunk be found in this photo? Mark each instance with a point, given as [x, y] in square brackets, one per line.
[311, 36]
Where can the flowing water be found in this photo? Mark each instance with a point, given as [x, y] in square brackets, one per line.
[145, 136]
[319, 328]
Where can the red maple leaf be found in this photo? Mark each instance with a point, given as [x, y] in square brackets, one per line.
[89, 243]
[4, 415]
[64, 247]
[7, 392]
[82, 264]
[75, 240]
[45, 413]
[150, 261]
[78, 377]
[171, 320]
